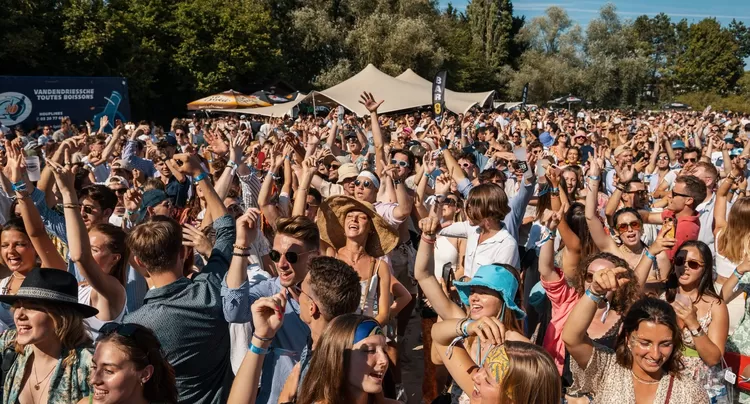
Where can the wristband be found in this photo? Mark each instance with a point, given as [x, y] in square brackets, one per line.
[648, 254]
[200, 177]
[428, 240]
[72, 206]
[737, 274]
[258, 350]
[232, 164]
[465, 327]
[594, 177]
[593, 296]
[241, 254]
[237, 247]
[262, 339]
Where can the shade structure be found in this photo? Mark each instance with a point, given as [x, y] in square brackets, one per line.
[398, 95]
[273, 110]
[456, 102]
[229, 99]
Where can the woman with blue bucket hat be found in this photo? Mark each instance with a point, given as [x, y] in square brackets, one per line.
[493, 306]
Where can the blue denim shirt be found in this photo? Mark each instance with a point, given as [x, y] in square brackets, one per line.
[287, 345]
[143, 165]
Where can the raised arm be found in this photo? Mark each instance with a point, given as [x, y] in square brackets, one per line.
[603, 241]
[79, 247]
[425, 274]
[720, 206]
[729, 290]
[404, 201]
[372, 106]
[32, 221]
[110, 147]
[305, 178]
[264, 197]
[574, 335]
[547, 271]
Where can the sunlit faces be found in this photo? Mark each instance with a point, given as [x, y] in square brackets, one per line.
[356, 224]
[33, 323]
[114, 377]
[596, 266]
[401, 160]
[678, 199]
[18, 253]
[484, 302]
[628, 227]
[91, 212]
[571, 181]
[102, 254]
[689, 266]
[662, 161]
[349, 186]
[651, 346]
[368, 364]
[486, 388]
[311, 207]
[365, 189]
[290, 273]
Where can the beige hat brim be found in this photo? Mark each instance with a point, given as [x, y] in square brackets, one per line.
[330, 219]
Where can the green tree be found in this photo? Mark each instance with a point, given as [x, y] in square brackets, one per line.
[741, 34]
[491, 26]
[711, 60]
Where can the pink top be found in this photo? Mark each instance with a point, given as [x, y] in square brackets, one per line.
[562, 297]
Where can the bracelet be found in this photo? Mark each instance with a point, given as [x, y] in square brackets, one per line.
[465, 327]
[237, 247]
[241, 254]
[262, 339]
[232, 164]
[737, 274]
[648, 254]
[130, 212]
[459, 327]
[594, 177]
[200, 177]
[72, 206]
[258, 350]
[428, 240]
[593, 296]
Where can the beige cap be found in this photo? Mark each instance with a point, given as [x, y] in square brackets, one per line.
[346, 171]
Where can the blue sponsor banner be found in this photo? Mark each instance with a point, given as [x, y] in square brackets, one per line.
[28, 100]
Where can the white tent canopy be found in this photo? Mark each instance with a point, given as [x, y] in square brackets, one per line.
[398, 95]
[455, 101]
[273, 110]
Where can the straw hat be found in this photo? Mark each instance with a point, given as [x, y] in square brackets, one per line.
[330, 221]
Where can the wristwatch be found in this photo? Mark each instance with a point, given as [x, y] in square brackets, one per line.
[697, 333]
[396, 182]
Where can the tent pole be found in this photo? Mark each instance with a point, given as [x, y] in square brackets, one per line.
[315, 110]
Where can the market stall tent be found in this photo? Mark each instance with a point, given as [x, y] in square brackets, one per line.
[456, 102]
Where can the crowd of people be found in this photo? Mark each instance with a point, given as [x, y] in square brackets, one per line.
[553, 256]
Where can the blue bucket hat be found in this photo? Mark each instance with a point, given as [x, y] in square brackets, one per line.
[678, 144]
[494, 277]
[736, 152]
[546, 139]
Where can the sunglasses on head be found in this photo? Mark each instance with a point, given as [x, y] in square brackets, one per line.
[623, 227]
[124, 330]
[291, 256]
[400, 163]
[681, 260]
[365, 183]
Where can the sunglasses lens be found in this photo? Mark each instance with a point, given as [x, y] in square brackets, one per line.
[274, 255]
[693, 264]
[291, 257]
[635, 226]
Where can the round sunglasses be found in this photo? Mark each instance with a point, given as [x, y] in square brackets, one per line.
[291, 256]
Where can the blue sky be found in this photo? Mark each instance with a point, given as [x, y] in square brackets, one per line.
[582, 10]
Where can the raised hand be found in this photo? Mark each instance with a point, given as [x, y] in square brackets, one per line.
[429, 226]
[132, 199]
[192, 237]
[609, 280]
[188, 164]
[369, 102]
[489, 329]
[662, 242]
[247, 228]
[443, 184]
[625, 173]
[268, 315]
[687, 312]
[552, 219]
[63, 175]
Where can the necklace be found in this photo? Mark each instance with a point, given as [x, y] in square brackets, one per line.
[645, 381]
[352, 258]
[38, 383]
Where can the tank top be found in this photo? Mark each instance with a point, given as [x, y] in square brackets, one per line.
[369, 303]
[445, 252]
[93, 324]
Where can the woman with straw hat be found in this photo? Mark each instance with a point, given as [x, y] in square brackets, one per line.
[49, 353]
[360, 237]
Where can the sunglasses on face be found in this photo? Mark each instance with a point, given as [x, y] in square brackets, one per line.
[663, 158]
[465, 165]
[88, 209]
[351, 140]
[291, 256]
[364, 184]
[681, 260]
[450, 202]
[400, 163]
[309, 206]
[623, 227]
[638, 192]
[121, 191]
[691, 160]
[675, 194]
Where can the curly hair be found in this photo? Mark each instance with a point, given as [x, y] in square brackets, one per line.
[623, 297]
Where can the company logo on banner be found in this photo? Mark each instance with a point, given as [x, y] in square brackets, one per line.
[438, 95]
[14, 108]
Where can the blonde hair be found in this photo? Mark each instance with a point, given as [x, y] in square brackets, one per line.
[532, 377]
[69, 328]
[733, 240]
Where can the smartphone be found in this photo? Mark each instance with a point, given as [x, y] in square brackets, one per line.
[683, 300]
[129, 127]
[435, 173]
[261, 159]
[670, 233]
[523, 166]
[447, 268]
[341, 114]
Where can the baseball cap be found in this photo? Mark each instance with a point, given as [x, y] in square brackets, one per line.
[678, 144]
[346, 171]
[116, 179]
[546, 139]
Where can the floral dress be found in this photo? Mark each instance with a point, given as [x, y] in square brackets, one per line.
[710, 378]
[739, 341]
[67, 383]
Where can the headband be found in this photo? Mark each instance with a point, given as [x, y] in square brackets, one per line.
[366, 329]
[371, 177]
[497, 363]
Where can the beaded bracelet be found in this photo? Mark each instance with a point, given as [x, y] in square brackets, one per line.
[237, 247]
[72, 206]
[262, 339]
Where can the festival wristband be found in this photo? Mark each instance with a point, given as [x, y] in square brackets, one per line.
[200, 177]
[258, 350]
[593, 296]
[648, 254]
[737, 274]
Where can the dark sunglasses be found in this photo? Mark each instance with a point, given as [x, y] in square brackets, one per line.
[681, 260]
[623, 227]
[638, 192]
[121, 191]
[352, 140]
[679, 194]
[88, 209]
[125, 330]
[364, 183]
[308, 206]
[400, 163]
[691, 160]
[450, 202]
[290, 256]
[663, 158]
